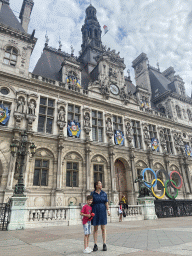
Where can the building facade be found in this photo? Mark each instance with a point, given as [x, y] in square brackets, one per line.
[87, 119]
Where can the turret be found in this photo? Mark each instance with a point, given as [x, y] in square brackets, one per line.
[25, 13]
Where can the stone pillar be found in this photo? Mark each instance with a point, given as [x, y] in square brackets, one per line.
[148, 207]
[11, 172]
[114, 194]
[186, 166]
[18, 216]
[134, 187]
[87, 159]
[166, 161]
[59, 163]
[185, 181]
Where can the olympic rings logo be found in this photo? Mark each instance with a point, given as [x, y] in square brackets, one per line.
[164, 186]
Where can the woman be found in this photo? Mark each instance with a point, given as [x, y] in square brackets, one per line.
[99, 207]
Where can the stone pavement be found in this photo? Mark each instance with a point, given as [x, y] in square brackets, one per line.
[171, 236]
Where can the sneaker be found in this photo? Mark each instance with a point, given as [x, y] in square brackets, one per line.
[88, 248]
[104, 247]
[95, 248]
[86, 251]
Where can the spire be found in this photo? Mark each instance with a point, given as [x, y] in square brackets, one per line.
[91, 30]
[25, 13]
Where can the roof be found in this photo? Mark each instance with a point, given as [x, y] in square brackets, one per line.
[50, 63]
[8, 18]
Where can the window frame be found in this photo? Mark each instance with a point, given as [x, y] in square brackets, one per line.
[46, 115]
[96, 126]
[9, 59]
[41, 168]
[71, 174]
[73, 113]
[137, 136]
[169, 141]
[99, 172]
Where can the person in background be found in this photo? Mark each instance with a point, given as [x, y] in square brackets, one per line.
[86, 213]
[120, 211]
[99, 207]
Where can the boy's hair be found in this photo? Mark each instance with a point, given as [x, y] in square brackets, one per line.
[89, 197]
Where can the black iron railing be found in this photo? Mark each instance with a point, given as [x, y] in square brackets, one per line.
[173, 208]
[4, 216]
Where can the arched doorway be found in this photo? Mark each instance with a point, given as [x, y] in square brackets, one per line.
[121, 181]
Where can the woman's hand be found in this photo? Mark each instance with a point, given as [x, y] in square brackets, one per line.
[108, 213]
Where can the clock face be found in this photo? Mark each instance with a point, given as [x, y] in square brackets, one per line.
[114, 89]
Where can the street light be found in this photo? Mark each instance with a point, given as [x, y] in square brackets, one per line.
[20, 151]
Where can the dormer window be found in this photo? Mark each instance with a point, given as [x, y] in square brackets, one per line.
[10, 57]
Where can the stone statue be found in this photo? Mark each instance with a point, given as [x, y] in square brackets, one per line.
[143, 189]
[109, 125]
[31, 107]
[128, 129]
[20, 105]
[87, 120]
[61, 115]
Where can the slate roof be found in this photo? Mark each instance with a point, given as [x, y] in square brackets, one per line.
[8, 18]
[49, 66]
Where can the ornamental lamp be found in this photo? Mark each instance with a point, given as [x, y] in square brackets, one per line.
[14, 148]
[32, 149]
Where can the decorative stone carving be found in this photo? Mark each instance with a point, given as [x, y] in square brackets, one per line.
[104, 89]
[98, 159]
[178, 141]
[128, 132]
[31, 107]
[61, 116]
[73, 156]
[20, 105]
[86, 122]
[124, 96]
[146, 135]
[109, 129]
[163, 140]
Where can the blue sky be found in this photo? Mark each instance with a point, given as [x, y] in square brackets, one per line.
[160, 28]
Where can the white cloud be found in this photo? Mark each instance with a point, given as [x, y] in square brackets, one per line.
[160, 28]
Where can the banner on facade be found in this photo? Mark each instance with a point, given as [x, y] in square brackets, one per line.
[155, 144]
[188, 150]
[4, 114]
[119, 137]
[73, 129]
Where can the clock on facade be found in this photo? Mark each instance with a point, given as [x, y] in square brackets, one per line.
[114, 89]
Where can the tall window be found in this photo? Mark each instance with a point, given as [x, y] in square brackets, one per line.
[98, 173]
[178, 110]
[6, 105]
[168, 139]
[117, 123]
[46, 113]
[41, 172]
[152, 131]
[189, 115]
[73, 113]
[10, 57]
[97, 126]
[136, 134]
[72, 174]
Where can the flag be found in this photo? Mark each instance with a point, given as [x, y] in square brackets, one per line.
[105, 29]
[4, 114]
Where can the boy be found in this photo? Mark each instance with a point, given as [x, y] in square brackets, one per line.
[87, 214]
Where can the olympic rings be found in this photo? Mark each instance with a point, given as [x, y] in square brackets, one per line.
[152, 172]
[168, 183]
[162, 189]
[175, 190]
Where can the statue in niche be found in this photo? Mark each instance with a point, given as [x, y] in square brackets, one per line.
[146, 134]
[87, 120]
[20, 105]
[128, 129]
[61, 114]
[109, 125]
[31, 107]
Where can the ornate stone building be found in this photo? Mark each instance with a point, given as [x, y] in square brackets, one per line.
[87, 119]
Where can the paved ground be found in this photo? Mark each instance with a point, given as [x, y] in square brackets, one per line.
[171, 236]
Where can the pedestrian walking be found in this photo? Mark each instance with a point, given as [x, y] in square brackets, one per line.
[120, 211]
[87, 214]
[99, 207]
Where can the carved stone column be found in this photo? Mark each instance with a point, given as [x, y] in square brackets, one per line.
[59, 162]
[129, 132]
[86, 123]
[109, 130]
[186, 166]
[87, 159]
[134, 188]
[166, 161]
[150, 158]
[61, 116]
[11, 172]
[185, 180]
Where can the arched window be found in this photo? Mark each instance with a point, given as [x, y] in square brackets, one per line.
[90, 33]
[95, 32]
[10, 57]
[178, 110]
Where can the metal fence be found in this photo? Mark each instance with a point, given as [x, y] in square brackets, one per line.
[173, 208]
[4, 216]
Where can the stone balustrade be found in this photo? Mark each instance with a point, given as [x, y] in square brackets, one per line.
[70, 215]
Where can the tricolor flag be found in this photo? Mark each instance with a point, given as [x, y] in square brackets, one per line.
[105, 29]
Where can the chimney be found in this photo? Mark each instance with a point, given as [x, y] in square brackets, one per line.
[25, 13]
[3, 2]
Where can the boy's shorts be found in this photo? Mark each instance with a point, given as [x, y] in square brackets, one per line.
[87, 228]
